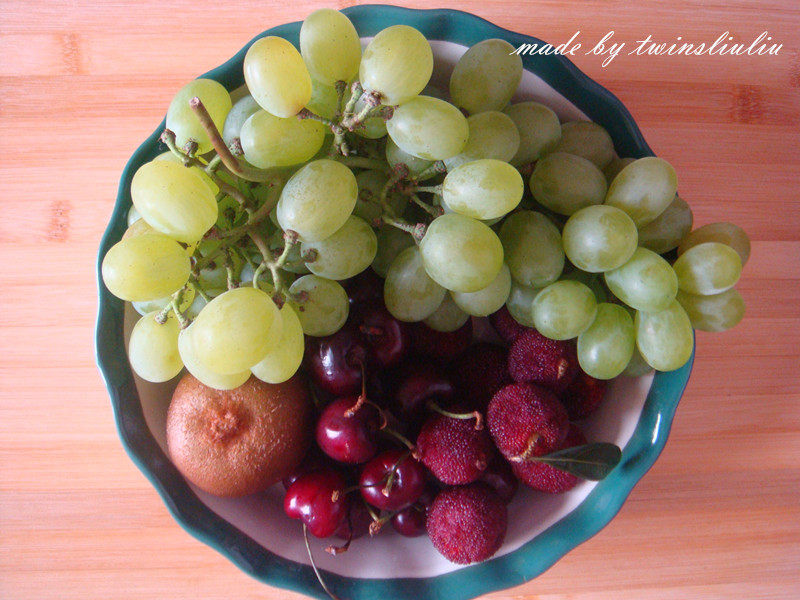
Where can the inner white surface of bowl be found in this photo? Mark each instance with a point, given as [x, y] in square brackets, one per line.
[261, 516]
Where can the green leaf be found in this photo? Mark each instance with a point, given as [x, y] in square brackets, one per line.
[591, 461]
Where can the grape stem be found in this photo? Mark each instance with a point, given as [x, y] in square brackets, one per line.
[290, 238]
[199, 288]
[340, 87]
[174, 306]
[434, 211]
[258, 215]
[437, 168]
[362, 162]
[432, 189]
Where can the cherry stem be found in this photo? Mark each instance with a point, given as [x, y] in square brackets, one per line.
[528, 452]
[314, 566]
[400, 437]
[378, 523]
[464, 416]
[362, 397]
[387, 489]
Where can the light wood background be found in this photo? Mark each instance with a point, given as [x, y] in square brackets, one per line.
[82, 83]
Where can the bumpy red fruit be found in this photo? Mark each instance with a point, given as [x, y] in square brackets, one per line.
[526, 420]
[467, 524]
[454, 451]
[543, 477]
[583, 396]
[319, 501]
[534, 358]
[506, 326]
[479, 373]
[439, 344]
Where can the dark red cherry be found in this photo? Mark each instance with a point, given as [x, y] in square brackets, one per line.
[313, 461]
[365, 288]
[410, 521]
[417, 382]
[388, 338]
[319, 501]
[441, 345]
[406, 485]
[335, 362]
[356, 523]
[501, 478]
[348, 432]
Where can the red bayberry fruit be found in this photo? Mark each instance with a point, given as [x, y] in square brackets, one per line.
[506, 326]
[347, 431]
[467, 523]
[583, 396]
[454, 451]
[534, 358]
[439, 344]
[318, 500]
[392, 480]
[541, 476]
[479, 373]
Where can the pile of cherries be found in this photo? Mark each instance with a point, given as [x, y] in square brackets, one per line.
[401, 437]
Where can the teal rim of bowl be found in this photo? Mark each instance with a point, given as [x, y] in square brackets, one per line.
[515, 568]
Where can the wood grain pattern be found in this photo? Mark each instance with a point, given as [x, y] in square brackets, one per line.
[82, 83]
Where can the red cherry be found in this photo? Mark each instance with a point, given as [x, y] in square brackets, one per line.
[417, 383]
[319, 501]
[387, 337]
[347, 432]
[392, 480]
[410, 521]
[336, 362]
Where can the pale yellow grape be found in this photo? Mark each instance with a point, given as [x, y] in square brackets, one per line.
[486, 76]
[205, 375]
[199, 301]
[183, 121]
[395, 156]
[317, 200]
[539, 130]
[324, 101]
[588, 140]
[520, 303]
[153, 348]
[644, 189]
[409, 292]
[148, 306]
[324, 306]
[391, 242]
[616, 165]
[428, 128]
[492, 134]
[668, 229]
[133, 216]
[448, 317]
[606, 348]
[488, 300]
[174, 200]
[330, 46]
[145, 267]
[564, 309]
[599, 238]
[713, 313]
[593, 281]
[566, 183]
[483, 189]
[243, 109]
[723, 233]
[236, 330]
[139, 227]
[460, 253]
[397, 63]
[277, 77]
[270, 141]
[646, 282]
[172, 157]
[284, 359]
[708, 268]
[664, 338]
[637, 366]
[533, 248]
[346, 253]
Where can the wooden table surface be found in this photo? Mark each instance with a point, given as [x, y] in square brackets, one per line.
[83, 83]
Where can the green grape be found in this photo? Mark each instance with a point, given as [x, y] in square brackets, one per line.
[183, 121]
[723, 233]
[428, 128]
[533, 248]
[668, 229]
[520, 303]
[644, 189]
[330, 46]
[646, 282]
[587, 140]
[391, 242]
[269, 141]
[566, 183]
[397, 63]
[637, 366]
[236, 330]
[277, 77]
[599, 238]
[708, 268]
[324, 101]
[317, 200]
[345, 253]
[171, 157]
[539, 130]
[448, 317]
[593, 281]
[145, 267]
[133, 216]
[460, 253]
[215, 273]
[139, 227]
[564, 309]
[284, 359]
[665, 338]
[244, 108]
[713, 313]
[174, 200]
[486, 76]
[206, 376]
[395, 156]
[199, 301]
[488, 300]
[148, 306]
[323, 306]
[492, 134]
[616, 165]
[153, 348]
[409, 293]
[606, 348]
[483, 189]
